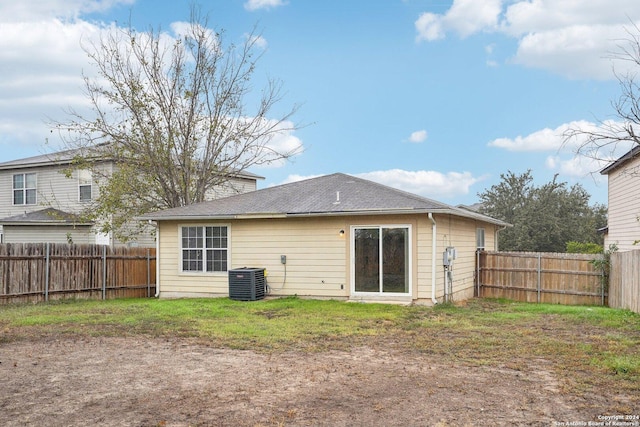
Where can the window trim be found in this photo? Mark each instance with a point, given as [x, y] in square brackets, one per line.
[410, 254]
[181, 250]
[24, 189]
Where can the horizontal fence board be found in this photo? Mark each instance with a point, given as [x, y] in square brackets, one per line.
[41, 272]
[554, 278]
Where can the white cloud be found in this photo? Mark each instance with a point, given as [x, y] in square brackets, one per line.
[464, 17]
[257, 41]
[42, 63]
[252, 5]
[569, 155]
[429, 27]
[284, 141]
[556, 139]
[576, 166]
[295, 178]
[37, 10]
[430, 184]
[418, 136]
[572, 38]
[542, 140]
[425, 183]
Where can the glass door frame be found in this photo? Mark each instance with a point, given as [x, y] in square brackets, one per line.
[409, 254]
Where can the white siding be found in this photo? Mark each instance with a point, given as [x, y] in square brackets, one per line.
[56, 190]
[231, 188]
[624, 206]
[50, 234]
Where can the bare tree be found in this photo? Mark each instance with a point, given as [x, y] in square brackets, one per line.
[600, 142]
[173, 116]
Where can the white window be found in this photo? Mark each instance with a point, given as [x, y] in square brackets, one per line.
[480, 239]
[204, 249]
[84, 185]
[24, 189]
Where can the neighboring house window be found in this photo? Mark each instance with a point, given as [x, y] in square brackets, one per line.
[480, 239]
[382, 259]
[24, 189]
[84, 185]
[205, 249]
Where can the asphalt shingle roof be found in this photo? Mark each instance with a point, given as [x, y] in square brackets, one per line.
[44, 216]
[336, 194]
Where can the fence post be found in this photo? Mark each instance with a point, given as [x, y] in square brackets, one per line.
[104, 271]
[539, 273]
[46, 273]
[602, 281]
[148, 274]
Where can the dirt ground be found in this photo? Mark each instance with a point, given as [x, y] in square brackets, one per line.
[159, 382]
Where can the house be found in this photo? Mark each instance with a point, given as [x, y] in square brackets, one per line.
[623, 227]
[41, 197]
[334, 236]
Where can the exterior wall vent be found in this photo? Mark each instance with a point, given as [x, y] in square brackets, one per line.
[247, 284]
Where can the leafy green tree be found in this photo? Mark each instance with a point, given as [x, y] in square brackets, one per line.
[179, 117]
[544, 218]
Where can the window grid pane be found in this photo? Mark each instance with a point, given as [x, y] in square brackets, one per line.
[192, 260]
[216, 260]
[30, 179]
[18, 182]
[31, 197]
[18, 197]
[85, 193]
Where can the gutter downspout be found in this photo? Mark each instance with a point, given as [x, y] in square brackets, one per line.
[433, 259]
[157, 227]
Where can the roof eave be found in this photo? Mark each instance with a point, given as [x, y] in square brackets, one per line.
[70, 224]
[363, 212]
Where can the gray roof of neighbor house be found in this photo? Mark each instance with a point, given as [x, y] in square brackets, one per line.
[336, 194]
[47, 216]
[631, 154]
[65, 157]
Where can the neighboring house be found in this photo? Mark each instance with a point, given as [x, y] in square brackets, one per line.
[335, 236]
[623, 227]
[40, 201]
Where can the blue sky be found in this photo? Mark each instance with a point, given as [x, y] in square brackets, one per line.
[431, 96]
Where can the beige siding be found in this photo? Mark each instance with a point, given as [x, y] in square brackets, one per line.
[624, 207]
[319, 259]
[315, 252]
[460, 233]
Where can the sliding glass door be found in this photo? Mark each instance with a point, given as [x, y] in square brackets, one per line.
[381, 259]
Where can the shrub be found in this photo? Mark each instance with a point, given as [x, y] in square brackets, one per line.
[584, 248]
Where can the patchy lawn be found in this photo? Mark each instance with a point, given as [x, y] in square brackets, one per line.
[304, 362]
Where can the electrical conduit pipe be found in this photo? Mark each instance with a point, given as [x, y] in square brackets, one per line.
[433, 259]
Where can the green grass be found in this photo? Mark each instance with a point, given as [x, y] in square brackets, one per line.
[591, 348]
[262, 325]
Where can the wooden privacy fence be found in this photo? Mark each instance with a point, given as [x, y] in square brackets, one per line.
[624, 280]
[555, 278]
[33, 272]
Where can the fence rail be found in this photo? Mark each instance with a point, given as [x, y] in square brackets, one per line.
[555, 278]
[624, 280]
[44, 271]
